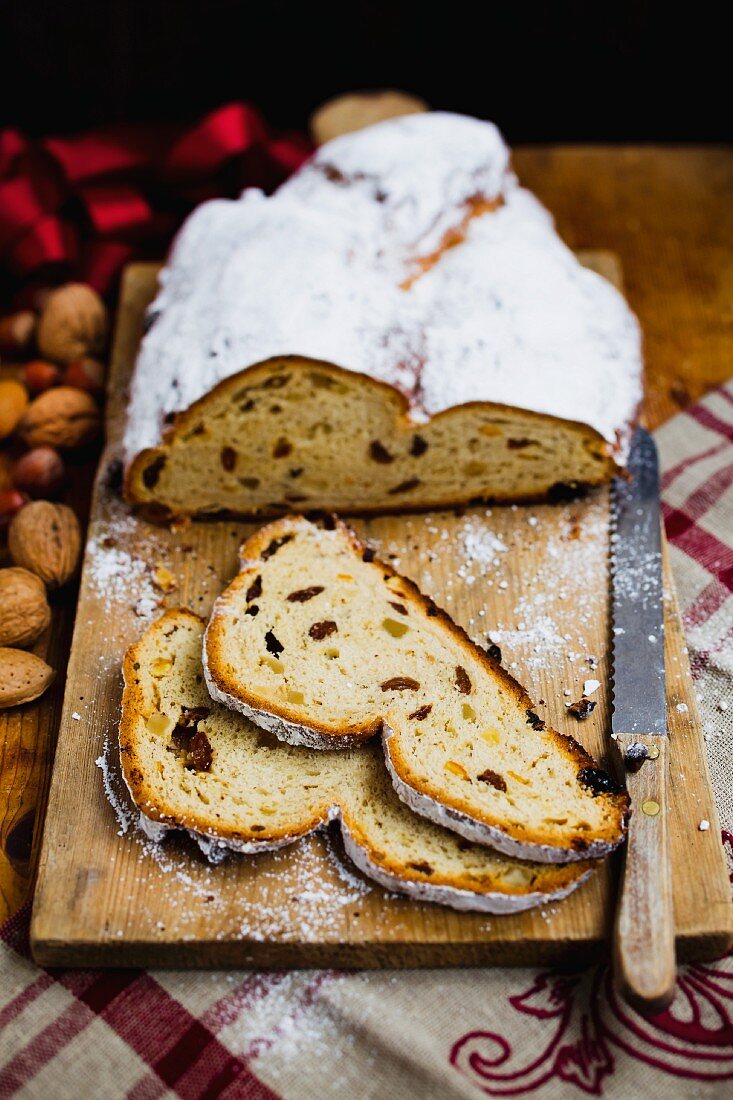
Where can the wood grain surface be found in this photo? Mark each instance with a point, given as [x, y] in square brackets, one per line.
[104, 899]
[666, 212]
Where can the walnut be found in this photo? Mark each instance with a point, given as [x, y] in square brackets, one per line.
[46, 539]
[24, 610]
[62, 417]
[73, 324]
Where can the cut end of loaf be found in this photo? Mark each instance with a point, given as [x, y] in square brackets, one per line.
[297, 433]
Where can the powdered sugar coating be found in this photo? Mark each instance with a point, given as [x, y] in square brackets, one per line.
[507, 316]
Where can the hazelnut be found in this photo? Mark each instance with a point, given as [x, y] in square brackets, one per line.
[16, 333]
[39, 375]
[46, 539]
[62, 417]
[85, 374]
[24, 610]
[13, 402]
[73, 323]
[40, 473]
[11, 501]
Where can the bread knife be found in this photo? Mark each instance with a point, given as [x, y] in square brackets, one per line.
[644, 943]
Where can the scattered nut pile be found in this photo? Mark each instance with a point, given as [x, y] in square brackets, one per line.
[51, 382]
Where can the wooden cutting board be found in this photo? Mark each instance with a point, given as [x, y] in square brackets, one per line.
[535, 578]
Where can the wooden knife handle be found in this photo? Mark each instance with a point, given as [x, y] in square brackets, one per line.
[644, 942]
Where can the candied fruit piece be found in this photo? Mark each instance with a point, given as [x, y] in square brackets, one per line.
[395, 628]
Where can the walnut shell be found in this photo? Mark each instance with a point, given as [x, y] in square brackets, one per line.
[24, 610]
[63, 417]
[23, 677]
[46, 539]
[73, 324]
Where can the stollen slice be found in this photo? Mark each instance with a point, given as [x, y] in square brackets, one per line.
[320, 643]
[192, 764]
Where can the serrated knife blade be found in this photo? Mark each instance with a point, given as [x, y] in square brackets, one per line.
[644, 941]
[639, 689]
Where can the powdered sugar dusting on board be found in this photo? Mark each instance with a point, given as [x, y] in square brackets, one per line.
[321, 899]
[507, 316]
[123, 552]
[119, 576]
[568, 574]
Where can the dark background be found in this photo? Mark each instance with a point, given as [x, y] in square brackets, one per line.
[637, 70]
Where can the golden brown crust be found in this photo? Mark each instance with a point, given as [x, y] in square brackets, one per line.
[135, 491]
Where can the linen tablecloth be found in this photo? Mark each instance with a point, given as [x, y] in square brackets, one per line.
[432, 1033]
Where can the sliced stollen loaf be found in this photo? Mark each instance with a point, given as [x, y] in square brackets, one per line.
[323, 645]
[191, 764]
[398, 326]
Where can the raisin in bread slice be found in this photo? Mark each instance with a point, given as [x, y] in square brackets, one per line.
[192, 764]
[323, 645]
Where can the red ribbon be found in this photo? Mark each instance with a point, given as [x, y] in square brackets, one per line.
[81, 207]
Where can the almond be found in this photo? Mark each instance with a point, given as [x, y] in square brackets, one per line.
[62, 417]
[73, 324]
[24, 610]
[23, 677]
[46, 539]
